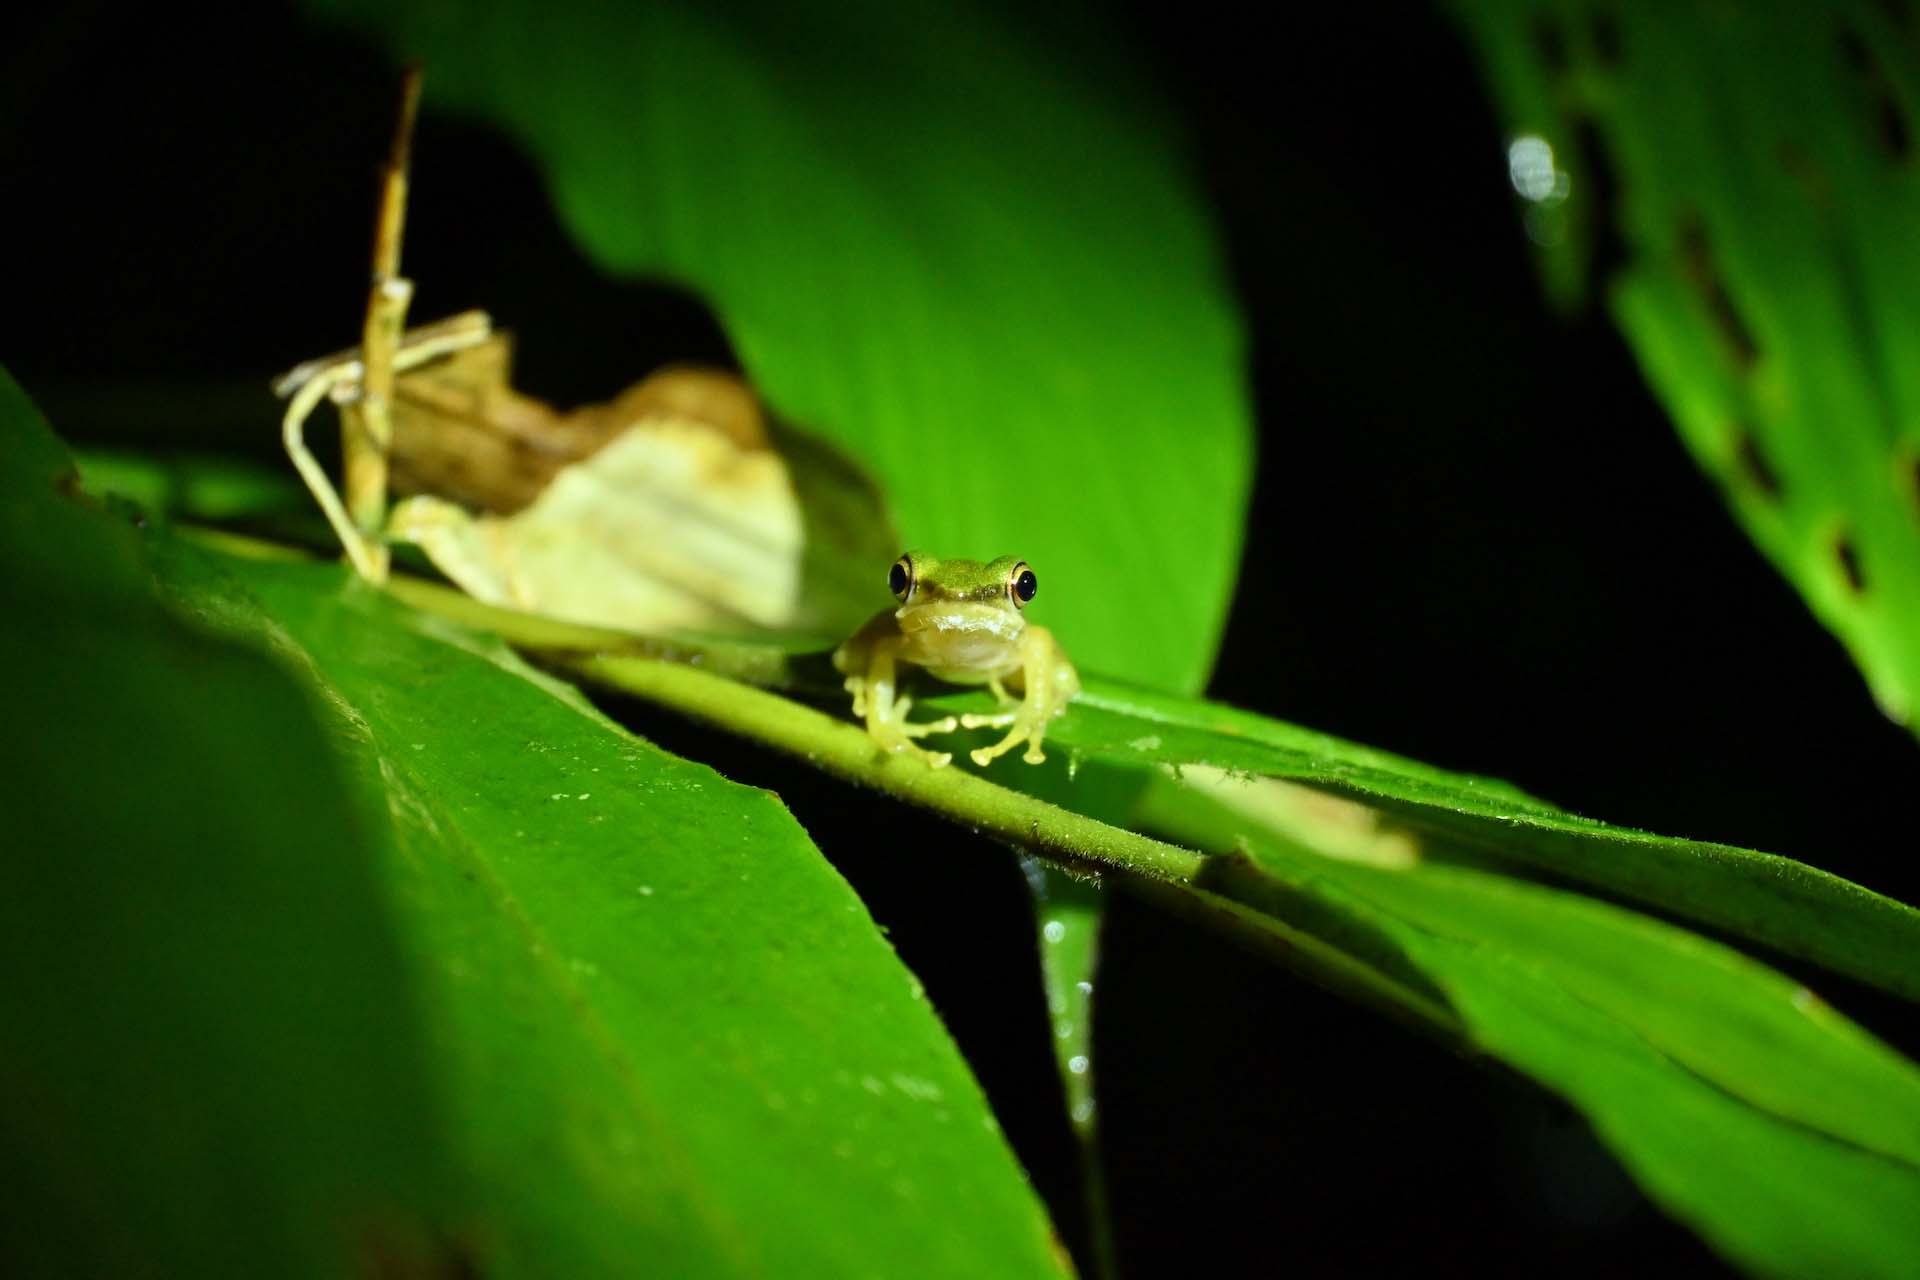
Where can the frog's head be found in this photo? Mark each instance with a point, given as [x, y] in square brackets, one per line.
[966, 605]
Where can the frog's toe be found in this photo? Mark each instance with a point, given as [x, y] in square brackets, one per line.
[985, 755]
[900, 742]
[900, 724]
[857, 686]
[934, 759]
[973, 720]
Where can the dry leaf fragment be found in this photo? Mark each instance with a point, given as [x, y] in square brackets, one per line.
[667, 507]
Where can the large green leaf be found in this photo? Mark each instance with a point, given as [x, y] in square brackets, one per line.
[983, 274]
[660, 1031]
[1764, 201]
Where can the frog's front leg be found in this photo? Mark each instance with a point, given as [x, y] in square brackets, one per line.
[886, 715]
[1048, 681]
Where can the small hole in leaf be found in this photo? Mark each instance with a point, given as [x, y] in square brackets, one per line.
[1550, 44]
[1849, 557]
[1602, 186]
[1697, 260]
[1605, 34]
[1753, 464]
[1808, 173]
[401, 1250]
[1890, 127]
[1892, 121]
[1854, 50]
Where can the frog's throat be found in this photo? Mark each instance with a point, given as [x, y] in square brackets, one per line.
[961, 622]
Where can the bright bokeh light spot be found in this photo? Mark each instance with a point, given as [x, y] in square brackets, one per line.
[1531, 169]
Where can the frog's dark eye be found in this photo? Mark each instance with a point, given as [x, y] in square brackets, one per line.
[1022, 585]
[900, 578]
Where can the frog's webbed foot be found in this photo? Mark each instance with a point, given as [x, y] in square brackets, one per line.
[1048, 682]
[1029, 727]
[896, 733]
[886, 715]
[900, 740]
[1026, 722]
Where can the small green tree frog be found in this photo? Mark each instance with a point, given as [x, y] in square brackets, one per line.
[962, 621]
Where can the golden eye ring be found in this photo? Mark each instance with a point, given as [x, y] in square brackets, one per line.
[1022, 585]
[901, 579]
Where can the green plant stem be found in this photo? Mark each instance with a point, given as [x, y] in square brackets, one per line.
[1162, 873]
[661, 671]
[846, 751]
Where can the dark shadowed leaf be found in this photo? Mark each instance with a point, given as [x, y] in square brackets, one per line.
[210, 1045]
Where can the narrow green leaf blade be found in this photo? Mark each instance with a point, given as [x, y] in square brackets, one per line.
[1777, 901]
[208, 1035]
[1788, 1137]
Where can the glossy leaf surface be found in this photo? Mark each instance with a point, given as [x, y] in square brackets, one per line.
[985, 277]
